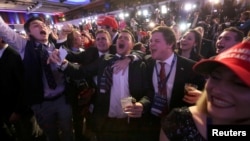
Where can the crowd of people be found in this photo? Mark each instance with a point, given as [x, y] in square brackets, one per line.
[68, 86]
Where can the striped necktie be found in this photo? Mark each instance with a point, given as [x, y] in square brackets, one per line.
[107, 78]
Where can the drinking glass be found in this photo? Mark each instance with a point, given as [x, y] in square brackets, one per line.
[126, 101]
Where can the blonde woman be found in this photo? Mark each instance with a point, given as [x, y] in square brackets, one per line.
[225, 100]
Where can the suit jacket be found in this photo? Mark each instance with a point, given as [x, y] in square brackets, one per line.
[207, 49]
[139, 86]
[184, 74]
[11, 80]
[84, 58]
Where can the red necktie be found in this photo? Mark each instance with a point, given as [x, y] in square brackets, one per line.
[163, 87]
[162, 84]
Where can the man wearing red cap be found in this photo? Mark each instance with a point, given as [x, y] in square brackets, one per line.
[110, 24]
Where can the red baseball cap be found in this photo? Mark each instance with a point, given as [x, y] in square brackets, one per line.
[236, 59]
[108, 21]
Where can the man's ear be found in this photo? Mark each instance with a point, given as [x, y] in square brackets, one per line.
[30, 36]
[169, 45]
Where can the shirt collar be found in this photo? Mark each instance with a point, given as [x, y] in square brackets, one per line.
[168, 60]
[48, 46]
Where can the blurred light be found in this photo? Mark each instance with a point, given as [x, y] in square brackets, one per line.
[126, 15]
[121, 16]
[194, 6]
[187, 7]
[184, 26]
[145, 12]
[23, 32]
[214, 1]
[139, 12]
[151, 24]
[163, 9]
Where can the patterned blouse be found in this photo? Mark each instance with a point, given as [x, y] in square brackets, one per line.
[179, 126]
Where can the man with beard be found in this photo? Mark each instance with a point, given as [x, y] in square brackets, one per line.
[108, 118]
[43, 83]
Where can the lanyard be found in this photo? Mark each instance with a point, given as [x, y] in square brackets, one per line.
[167, 77]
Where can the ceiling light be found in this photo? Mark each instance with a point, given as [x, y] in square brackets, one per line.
[34, 7]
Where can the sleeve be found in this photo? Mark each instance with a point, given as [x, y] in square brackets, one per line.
[12, 38]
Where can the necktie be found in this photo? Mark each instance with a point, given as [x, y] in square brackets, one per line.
[46, 67]
[163, 87]
[162, 83]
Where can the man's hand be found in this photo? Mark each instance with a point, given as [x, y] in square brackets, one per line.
[192, 96]
[121, 65]
[55, 57]
[134, 110]
[67, 28]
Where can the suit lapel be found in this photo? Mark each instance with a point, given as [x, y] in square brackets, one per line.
[151, 65]
[180, 77]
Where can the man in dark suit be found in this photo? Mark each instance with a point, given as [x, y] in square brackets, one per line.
[17, 117]
[207, 49]
[44, 86]
[178, 71]
[81, 85]
[11, 74]
[103, 46]
[109, 121]
[77, 89]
